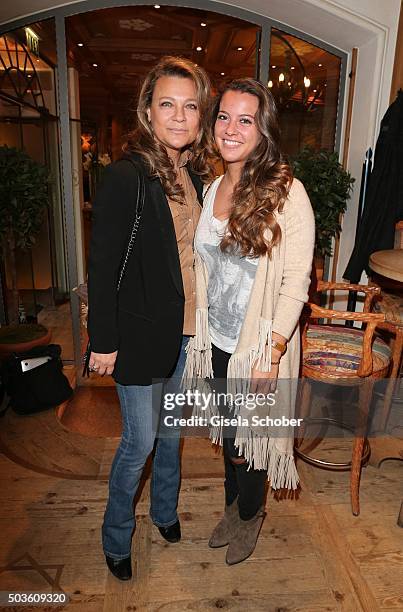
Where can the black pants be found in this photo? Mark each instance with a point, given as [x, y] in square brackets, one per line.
[248, 485]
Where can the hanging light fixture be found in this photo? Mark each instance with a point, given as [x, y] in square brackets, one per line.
[292, 87]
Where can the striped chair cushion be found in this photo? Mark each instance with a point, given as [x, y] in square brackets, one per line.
[391, 305]
[336, 350]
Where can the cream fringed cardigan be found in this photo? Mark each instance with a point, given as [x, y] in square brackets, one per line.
[279, 291]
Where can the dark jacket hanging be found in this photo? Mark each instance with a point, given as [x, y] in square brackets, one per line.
[384, 201]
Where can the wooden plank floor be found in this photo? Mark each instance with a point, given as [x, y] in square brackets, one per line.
[312, 555]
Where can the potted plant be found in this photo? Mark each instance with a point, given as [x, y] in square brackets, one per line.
[23, 202]
[329, 187]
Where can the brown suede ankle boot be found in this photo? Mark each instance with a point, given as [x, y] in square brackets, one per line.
[226, 527]
[243, 542]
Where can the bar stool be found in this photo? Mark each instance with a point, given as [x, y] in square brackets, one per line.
[347, 356]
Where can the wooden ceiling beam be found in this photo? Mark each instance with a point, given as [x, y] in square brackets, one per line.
[167, 19]
[136, 44]
[220, 45]
[229, 25]
[79, 28]
[250, 51]
[79, 33]
[137, 69]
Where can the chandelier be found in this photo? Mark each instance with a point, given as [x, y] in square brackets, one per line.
[290, 84]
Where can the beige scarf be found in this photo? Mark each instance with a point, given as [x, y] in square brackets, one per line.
[279, 291]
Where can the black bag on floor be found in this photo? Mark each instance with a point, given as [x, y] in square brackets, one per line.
[34, 381]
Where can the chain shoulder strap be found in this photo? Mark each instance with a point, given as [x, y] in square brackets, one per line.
[140, 198]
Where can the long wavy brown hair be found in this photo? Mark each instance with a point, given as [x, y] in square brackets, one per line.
[264, 183]
[142, 140]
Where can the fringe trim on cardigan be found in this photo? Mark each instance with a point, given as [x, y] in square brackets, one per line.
[202, 337]
[199, 356]
[263, 357]
[261, 453]
[240, 364]
[239, 372]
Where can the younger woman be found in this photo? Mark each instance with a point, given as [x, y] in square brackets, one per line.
[254, 247]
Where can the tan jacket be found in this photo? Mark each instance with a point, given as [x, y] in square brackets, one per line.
[185, 216]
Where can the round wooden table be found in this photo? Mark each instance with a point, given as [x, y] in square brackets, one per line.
[388, 263]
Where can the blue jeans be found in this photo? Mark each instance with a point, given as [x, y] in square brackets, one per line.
[138, 403]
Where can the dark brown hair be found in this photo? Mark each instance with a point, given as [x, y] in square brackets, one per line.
[264, 183]
[142, 140]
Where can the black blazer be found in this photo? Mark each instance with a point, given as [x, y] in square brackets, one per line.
[144, 323]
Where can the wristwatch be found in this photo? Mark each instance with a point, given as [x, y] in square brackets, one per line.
[279, 346]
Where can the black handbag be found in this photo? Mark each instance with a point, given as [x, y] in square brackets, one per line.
[39, 387]
[140, 198]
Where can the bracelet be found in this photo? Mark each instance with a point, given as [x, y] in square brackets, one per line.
[275, 362]
[279, 346]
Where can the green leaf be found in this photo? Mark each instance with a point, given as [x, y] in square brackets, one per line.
[23, 196]
[328, 186]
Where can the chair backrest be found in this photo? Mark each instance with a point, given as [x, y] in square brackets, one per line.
[313, 311]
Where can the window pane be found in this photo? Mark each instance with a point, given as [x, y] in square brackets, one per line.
[304, 80]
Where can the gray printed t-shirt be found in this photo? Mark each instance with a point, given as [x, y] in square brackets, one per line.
[230, 278]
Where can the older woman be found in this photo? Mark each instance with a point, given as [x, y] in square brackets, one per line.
[139, 335]
[254, 247]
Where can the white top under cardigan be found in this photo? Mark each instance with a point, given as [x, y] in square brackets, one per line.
[279, 291]
[230, 277]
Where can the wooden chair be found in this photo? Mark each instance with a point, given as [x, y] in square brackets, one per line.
[347, 356]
